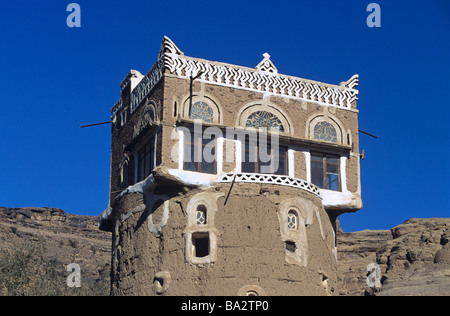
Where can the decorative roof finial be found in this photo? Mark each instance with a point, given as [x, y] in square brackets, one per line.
[169, 47]
[267, 65]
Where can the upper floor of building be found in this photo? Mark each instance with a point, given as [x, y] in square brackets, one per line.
[209, 122]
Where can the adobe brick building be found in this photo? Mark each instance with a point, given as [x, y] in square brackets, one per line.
[227, 180]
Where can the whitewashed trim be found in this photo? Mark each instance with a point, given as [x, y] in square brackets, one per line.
[146, 85]
[270, 179]
[219, 154]
[343, 172]
[291, 162]
[264, 78]
[233, 76]
[307, 155]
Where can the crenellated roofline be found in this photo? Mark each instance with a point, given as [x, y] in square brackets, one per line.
[264, 78]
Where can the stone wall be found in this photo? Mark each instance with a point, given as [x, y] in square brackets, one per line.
[247, 251]
[414, 258]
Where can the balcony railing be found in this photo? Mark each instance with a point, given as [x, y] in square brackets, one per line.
[270, 179]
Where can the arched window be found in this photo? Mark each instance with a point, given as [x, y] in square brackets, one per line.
[200, 110]
[325, 131]
[292, 220]
[325, 128]
[200, 215]
[261, 119]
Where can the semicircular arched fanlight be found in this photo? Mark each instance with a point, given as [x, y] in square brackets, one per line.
[264, 119]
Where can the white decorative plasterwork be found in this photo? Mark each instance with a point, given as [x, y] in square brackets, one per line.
[270, 179]
[150, 115]
[168, 47]
[267, 65]
[146, 85]
[264, 78]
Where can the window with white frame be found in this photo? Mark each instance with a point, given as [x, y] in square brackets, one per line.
[200, 244]
[325, 171]
[200, 234]
[292, 220]
[199, 153]
[269, 160]
[200, 215]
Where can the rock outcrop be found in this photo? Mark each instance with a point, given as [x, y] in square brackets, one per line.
[69, 238]
[414, 258]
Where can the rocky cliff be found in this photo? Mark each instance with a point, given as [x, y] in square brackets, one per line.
[65, 238]
[414, 258]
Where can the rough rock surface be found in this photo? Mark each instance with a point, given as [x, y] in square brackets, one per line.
[70, 238]
[414, 258]
[355, 252]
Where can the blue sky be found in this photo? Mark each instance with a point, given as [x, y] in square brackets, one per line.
[55, 79]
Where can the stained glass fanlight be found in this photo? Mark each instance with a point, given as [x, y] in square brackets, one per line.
[325, 131]
[263, 119]
[202, 111]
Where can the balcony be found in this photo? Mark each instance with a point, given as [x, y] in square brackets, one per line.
[270, 179]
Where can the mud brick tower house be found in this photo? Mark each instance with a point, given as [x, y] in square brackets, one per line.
[227, 180]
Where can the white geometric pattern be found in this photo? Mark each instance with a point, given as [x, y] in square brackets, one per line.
[270, 179]
[259, 79]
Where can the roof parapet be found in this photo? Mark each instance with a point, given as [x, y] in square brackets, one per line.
[263, 78]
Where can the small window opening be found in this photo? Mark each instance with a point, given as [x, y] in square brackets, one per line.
[200, 242]
[158, 282]
[201, 215]
[251, 293]
[175, 109]
[292, 220]
[290, 245]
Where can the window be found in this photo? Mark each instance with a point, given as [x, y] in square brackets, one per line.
[200, 244]
[146, 160]
[201, 111]
[200, 215]
[199, 153]
[261, 119]
[325, 131]
[290, 245]
[325, 171]
[269, 160]
[200, 234]
[292, 220]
